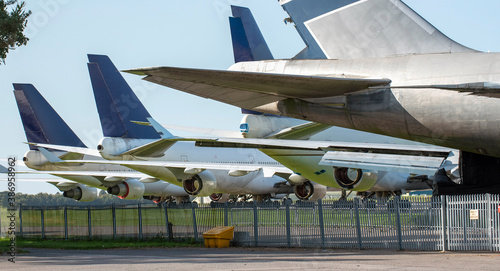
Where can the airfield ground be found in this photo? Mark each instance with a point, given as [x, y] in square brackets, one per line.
[248, 259]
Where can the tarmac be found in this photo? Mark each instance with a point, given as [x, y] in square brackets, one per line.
[247, 259]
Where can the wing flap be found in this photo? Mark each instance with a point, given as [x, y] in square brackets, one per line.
[239, 88]
[383, 162]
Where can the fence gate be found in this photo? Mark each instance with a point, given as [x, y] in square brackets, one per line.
[473, 222]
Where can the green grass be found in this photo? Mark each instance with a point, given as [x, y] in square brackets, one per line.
[22, 244]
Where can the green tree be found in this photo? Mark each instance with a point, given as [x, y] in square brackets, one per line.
[13, 20]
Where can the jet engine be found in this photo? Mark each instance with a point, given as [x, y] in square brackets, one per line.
[81, 193]
[202, 184]
[309, 191]
[129, 189]
[355, 179]
[219, 197]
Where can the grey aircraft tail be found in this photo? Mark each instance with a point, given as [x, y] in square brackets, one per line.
[353, 29]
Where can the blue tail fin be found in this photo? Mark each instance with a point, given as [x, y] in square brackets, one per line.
[248, 42]
[41, 122]
[116, 103]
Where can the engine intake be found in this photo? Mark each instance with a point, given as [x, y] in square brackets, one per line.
[348, 177]
[202, 184]
[309, 191]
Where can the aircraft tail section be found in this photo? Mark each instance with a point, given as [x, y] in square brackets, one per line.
[116, 103]
[248, 42]
[41, 122]
[353, 29]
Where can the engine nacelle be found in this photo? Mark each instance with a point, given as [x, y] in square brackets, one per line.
[81, 193]
[202, 184]
[355, 179]
[111, 148]
[129, 189]
[310, 191]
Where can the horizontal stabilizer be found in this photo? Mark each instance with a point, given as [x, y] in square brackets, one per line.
[86, 151]
[302, 132]
[154, 149]
[250, 89]
[420, 165]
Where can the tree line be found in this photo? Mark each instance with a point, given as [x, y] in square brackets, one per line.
[46, 199]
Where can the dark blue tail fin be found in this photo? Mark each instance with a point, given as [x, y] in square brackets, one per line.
[41, 122]
[116, 103]
[248, 42]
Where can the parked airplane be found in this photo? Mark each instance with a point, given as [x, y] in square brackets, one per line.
[42, 124]
[250, 45]
[389, 72]
[202, 172]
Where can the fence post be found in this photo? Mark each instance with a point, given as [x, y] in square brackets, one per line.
[358, 223]
[66, 222]
[89, 216]
[43, 222]
[489, 218]
[444, 223]
[195, 227]
[139, 213]
[113, 213]
[21, 219]
[170, 233]
[226, 214]
[288, 230]
[321, 223]
[255, 224]
[397, 200]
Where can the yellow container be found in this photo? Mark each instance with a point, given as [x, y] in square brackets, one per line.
[218, 237]
[218, 243]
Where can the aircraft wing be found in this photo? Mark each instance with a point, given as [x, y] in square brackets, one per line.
[412, 159]
[252, 89]
[117, 174]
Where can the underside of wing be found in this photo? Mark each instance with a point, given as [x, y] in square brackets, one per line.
[251, 89]
[411, 164]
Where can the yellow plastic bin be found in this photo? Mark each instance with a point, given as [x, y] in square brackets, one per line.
[219, 236]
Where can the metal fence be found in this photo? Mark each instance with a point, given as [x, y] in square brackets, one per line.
[410, 223]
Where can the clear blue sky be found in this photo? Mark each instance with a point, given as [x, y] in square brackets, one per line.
[185, 33]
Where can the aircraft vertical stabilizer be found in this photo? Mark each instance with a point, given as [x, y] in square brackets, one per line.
[353, 29]
[116, 103]
[248, 42]
[41, 122]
